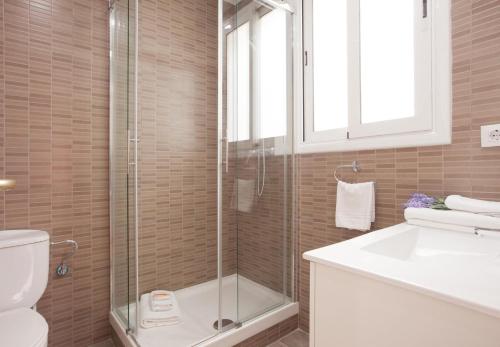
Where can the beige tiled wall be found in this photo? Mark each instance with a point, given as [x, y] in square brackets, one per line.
[178, 143]
[178, 161]
[264, 233]
[54, 142]
[462, 167]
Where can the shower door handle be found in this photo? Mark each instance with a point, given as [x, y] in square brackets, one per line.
[130, 140]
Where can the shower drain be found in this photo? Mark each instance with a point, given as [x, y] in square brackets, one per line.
[225, 323]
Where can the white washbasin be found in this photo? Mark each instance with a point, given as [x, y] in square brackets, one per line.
[426, 245]
[456, 266]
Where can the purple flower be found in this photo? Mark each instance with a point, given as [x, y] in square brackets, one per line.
[419, 200]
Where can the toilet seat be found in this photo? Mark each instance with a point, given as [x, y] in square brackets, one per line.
[23, 327]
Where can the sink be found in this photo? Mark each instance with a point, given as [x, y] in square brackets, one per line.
[428, 286]
[458, 266]
[423, 245]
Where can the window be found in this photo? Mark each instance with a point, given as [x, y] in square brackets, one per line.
[238, 84]
[273, 74]
[330, 81]
[257, 77]
[376, 74]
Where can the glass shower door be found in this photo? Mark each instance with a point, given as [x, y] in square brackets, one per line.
[122, 161]
[257, 159]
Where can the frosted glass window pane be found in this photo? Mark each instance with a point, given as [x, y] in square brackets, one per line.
[387, 60]
[238, 84]
[273, 74]
[330, 64]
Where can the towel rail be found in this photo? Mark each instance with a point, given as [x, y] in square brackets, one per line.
[354, 166]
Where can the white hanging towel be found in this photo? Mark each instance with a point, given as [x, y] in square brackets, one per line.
[484, 207]
[152, 319]
[355, 205]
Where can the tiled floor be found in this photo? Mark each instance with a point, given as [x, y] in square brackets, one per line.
[107, 343]
[298, 338]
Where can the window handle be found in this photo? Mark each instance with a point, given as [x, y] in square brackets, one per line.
[424, 8]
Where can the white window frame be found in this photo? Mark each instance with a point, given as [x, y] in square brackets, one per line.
[431, 127]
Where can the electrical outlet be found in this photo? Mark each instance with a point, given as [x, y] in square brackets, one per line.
[490, 135]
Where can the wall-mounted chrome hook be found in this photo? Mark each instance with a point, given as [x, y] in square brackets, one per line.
[62, 269]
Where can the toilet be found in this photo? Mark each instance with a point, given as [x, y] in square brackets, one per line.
[24, 270]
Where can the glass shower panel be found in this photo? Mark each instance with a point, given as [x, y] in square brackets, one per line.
[235, 128]
[122, 173]
[257, 154]
[166, 196]
[263, 225]
[177, 168]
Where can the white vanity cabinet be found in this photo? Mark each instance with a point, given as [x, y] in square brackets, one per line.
[360, 298]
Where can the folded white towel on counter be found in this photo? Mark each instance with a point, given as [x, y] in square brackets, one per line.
[161, 300]
[461, 203]
[355, 207]
[152, 319]
[458, 218]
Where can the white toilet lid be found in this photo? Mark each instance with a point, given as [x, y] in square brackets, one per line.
[22, 327]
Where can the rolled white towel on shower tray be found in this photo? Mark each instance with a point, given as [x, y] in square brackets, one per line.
[152, 319]
[161, 300]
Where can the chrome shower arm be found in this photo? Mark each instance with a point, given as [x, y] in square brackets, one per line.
[284, 5]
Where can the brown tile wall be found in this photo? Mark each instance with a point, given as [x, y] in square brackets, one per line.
[263, 242]
[178, 161]
[54, 142]
[462, 167]
[178, 143]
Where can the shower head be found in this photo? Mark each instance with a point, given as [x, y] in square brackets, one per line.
[282, 4]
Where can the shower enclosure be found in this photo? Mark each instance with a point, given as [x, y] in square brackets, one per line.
[201, 166]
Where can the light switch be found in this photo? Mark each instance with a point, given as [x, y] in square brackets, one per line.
[490, 135]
